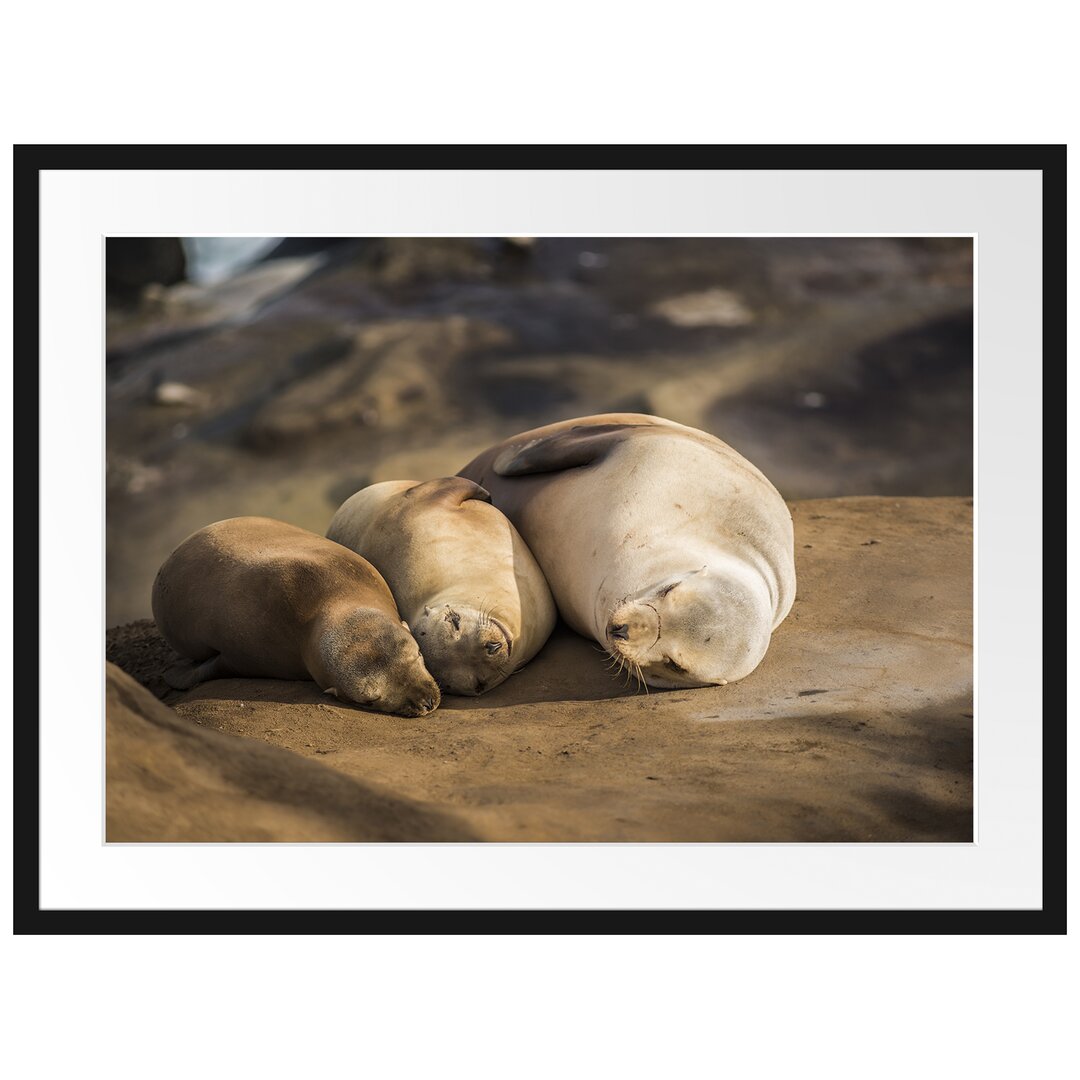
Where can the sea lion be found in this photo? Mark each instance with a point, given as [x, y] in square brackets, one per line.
[469, 588]
[658, 540]
[255, 597]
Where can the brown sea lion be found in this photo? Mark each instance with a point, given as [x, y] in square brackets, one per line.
[255, 597]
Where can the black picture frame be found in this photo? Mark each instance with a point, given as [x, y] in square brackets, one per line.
[30, 160]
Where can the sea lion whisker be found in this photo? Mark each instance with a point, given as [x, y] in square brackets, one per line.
[641, 679]
[613, 662]
[612, 674]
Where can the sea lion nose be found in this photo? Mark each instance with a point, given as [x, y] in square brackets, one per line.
[620, 631]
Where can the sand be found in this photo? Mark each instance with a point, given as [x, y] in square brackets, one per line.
[857, 726]
[172, 780]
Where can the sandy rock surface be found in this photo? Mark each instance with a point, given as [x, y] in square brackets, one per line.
[857, 726]
[171, 779]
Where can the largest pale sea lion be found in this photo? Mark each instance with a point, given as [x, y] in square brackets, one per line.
[659, 541]
[255, 597]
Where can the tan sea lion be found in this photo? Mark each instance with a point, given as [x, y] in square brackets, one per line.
[464, 579]
[658, 540]
[254, 597]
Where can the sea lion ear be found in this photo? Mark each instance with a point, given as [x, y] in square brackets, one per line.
[406, 625]
[701, 571]
[453, 490]
[332, 691]
[569, 449]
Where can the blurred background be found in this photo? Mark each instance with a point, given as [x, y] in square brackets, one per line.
[277, 376]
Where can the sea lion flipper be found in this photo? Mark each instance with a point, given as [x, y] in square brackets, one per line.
[452, 489]
[564, 450]
[184, 676]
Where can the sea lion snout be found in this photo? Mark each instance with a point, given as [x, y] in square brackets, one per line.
[424, 704]
[634, 628]
[410, 690]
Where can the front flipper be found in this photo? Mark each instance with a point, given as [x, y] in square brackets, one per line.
[187, 675]
[568, 449]
[453, 490]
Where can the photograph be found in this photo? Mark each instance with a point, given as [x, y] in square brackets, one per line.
[556, 539]
[531, 541]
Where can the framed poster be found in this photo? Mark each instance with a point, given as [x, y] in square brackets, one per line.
[759, 428]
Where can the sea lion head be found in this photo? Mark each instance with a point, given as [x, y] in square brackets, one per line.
[371, 659]
[692, 629]
[466, 648]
